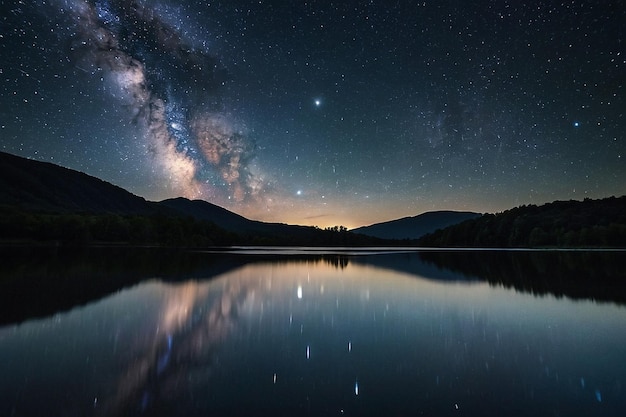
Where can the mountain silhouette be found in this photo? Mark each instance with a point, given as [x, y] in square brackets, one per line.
[36, 186]
[44, 201]
[416, 226]
[45, 187]
[582, 224]
[203, 210]
[42, 189]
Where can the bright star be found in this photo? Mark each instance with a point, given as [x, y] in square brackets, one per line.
[318, 102]
[576, 124]
[299, 192]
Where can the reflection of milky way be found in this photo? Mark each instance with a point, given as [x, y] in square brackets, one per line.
[171, 91]
[195, 320]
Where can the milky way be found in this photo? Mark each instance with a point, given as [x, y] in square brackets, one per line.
[169, 89]
[322, 114]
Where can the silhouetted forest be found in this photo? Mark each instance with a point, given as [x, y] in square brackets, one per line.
[588, 223]
[159, 229]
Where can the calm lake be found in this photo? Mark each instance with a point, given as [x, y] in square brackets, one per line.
[296, 331]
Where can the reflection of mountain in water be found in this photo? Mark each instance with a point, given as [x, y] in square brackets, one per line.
[35, 282]
[39, 281]
[412, 263]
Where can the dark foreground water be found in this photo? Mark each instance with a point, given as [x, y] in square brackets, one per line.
[291, 332]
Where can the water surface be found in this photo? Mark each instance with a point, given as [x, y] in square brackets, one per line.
[341, 333]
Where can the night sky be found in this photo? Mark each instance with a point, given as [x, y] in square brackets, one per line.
[323, 113]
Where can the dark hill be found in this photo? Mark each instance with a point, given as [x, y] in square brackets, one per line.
[45, 187]
[588, 223]
[35, 186]
[41, 201]
[203, 210]
[416, 226]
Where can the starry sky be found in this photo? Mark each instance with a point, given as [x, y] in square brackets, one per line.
[323, 112]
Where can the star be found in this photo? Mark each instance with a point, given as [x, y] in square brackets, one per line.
[162, 100]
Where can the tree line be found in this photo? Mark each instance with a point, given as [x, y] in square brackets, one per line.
[158, 229]
[588, 223]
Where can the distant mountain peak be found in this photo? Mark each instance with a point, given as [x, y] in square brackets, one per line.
[416, 226]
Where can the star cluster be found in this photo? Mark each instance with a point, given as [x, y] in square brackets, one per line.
[322, 113]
